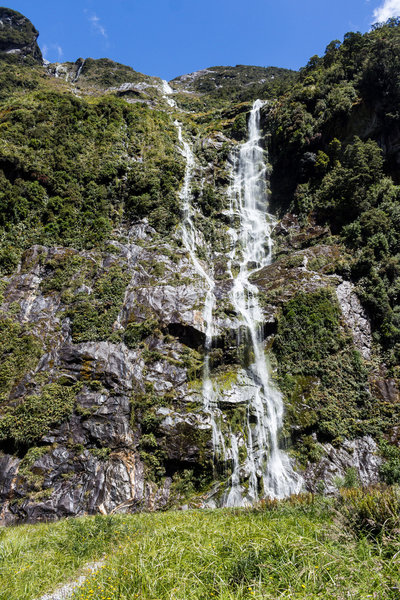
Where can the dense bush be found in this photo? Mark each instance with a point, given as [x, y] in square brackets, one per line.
[323, 377]
[137, 332]
[27, 422]
[333, 148]
[72, 169]
[390, 469]
[93, 315]
[373, 512]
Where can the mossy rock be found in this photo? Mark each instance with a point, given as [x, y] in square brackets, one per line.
[20, 351]
[31, 419]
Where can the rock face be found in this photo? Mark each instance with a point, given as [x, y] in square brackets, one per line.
[18, 36]
[361, 455]
[130, 419]
[138, 429]
[355, 318]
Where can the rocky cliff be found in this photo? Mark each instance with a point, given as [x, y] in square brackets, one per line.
[103, 325]
[18, 37]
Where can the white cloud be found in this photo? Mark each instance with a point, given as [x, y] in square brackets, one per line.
[389, 8]
[97, 26]
[49, 51]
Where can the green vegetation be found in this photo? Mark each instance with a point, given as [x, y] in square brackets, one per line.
[327, 162]
[135, 333]
[238, 84]
[34, 559]
[323, 377]
[67, 272]
[27, 422]
[33, 479]
[157, 444]
[152, 192]
[93, 315]
[374, 514]
[390, 470]
[306, 547]
[19, 353]
[72, 169]
[105, 73]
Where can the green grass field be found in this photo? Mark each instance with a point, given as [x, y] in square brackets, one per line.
[304, 548]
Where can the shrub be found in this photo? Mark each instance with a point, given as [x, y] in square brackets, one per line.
[26, 423]
[137, 332]
[390, 470]
[323, 377]
[19, 352]
[93, 315]
[371, 511]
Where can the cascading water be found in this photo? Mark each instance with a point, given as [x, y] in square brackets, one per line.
[251, 237]
[78, 74]
[167, 92]
[267, 470]
[190, 241]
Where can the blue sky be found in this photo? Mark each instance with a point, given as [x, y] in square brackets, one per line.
[172, 37]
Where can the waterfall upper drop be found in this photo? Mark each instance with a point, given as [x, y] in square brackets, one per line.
[167, 93]
[267, 467]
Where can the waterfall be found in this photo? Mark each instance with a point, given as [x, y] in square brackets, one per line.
[251, 235]
[190, 241]
[167, 91]
[266, 468]
[78, 73]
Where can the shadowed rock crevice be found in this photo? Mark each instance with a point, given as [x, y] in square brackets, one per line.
[187, 335]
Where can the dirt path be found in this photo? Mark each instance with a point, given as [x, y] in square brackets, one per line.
[66, 591]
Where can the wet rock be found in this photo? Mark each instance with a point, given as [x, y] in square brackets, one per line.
[115, 365]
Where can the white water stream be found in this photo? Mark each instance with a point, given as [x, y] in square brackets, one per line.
[267, 467]
[167, 92]
[191, 242]
[266, 470]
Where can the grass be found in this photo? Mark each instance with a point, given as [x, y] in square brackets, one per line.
[293, 549]
[37, 558]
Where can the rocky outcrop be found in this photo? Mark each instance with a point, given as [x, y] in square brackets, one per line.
[75, 484]
[138, 422]
[130, 406]
[356, 318]
[18, 36]
[329, 473]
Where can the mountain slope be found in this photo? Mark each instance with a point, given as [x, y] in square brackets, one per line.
[104, 337]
